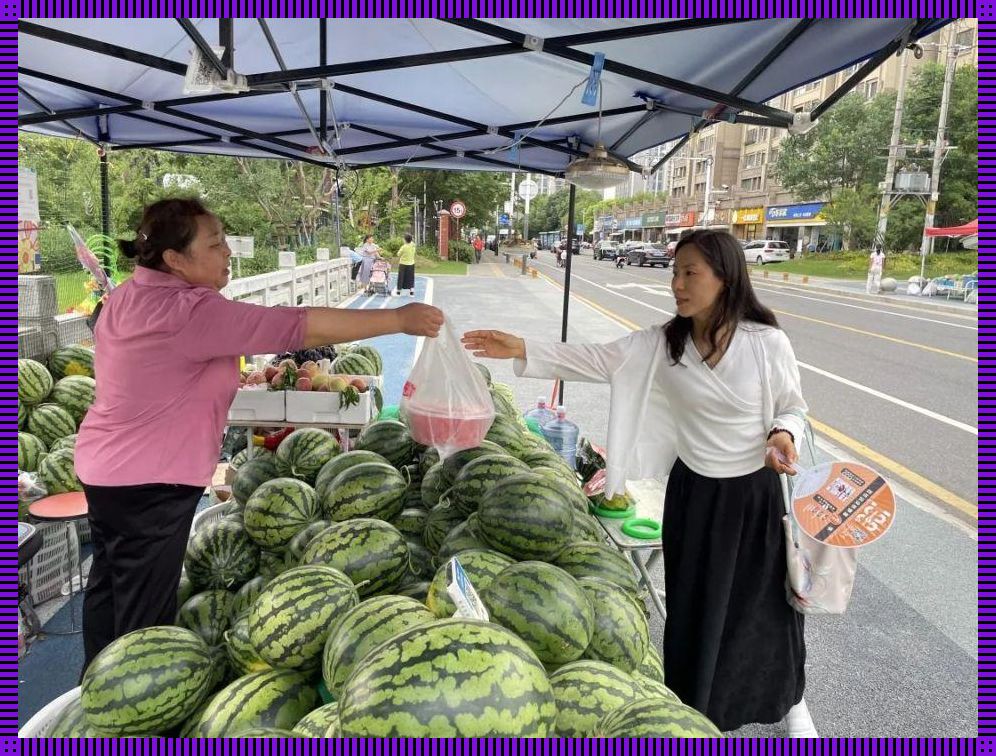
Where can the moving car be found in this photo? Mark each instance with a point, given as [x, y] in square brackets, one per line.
[762, 251]
[606, 250]
[649, 254]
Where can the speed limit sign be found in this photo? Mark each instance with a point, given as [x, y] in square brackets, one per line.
[458, 209]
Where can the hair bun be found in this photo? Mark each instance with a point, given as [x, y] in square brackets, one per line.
[128, 248]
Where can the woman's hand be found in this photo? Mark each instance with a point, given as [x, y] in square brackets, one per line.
[782, 442]
[420, 320]
[494, 344]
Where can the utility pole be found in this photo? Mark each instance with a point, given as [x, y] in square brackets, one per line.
[940, 148]
[707, 217]
[525, 220]
[890, 165]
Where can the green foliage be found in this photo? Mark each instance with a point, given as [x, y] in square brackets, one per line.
[461, 251]
[392, 245]
[548, 212]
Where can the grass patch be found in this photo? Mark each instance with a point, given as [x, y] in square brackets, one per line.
[70, 288]
[426, 266]
[854, 265]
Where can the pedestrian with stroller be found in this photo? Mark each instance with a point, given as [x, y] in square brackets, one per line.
[406, 267]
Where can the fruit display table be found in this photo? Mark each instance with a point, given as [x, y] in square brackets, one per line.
[649, 498]
[331, 427]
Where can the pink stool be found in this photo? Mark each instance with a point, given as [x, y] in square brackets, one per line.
[67, 508]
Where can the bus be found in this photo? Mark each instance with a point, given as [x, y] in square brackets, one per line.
[548, 238]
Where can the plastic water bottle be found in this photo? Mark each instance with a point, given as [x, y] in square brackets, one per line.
[541, 413]
[563, 436]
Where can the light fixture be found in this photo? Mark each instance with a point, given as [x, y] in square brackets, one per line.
[598, 169]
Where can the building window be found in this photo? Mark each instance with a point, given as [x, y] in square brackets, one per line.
[751, 184]
[869, 89]
[756, 134]
[813, 85]
[700, 188]
[754, 159]
[706, 144]
[806, 107]
[965, 38]
[678, 191]
[681, 171]
[848, 72]
[699, 167]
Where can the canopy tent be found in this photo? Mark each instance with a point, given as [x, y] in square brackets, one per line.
[461, 94]
[967, 229]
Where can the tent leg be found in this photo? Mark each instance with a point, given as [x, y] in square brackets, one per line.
[567, 273]
[105, 195]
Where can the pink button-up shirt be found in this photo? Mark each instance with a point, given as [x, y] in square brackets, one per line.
[167, 370]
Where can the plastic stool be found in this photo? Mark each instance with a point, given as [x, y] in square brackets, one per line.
[67, 508]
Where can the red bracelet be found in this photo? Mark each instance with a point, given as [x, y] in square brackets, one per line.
[781, 430]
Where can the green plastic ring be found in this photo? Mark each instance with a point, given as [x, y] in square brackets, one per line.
[642, 527]
[614, 514]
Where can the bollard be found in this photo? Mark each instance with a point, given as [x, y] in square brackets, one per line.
[765, 274]
[525, 265]
[533, 272]
[805, 279]
[785, 277]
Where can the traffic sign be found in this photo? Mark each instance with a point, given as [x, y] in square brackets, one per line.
[528, 189]
[503, 219]
[458, 209]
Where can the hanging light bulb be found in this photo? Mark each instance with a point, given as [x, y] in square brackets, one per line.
[598, 169]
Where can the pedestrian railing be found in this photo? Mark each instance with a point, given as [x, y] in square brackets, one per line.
[319, 284]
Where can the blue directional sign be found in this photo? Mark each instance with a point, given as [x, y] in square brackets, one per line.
[503, 219]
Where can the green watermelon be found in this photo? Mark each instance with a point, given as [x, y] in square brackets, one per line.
[66, 442]
[587, 528]
[485, 373]
[147, 682]
[221, 555]
[75, 394]
[621, 632]
[372, 356]
[362, 629]
[586, 691]
[22, 414]
[411, 522]
[353, 363]
[245, 596]
[243, 657]
[545, 607]
[655, 718]
[71, 723]
[370, 489]
[251, 475]
[390, 439]
[597, 560]
[476, 479]
[184, 589]
[428, 460]
[302, 453]
[652, 665]
[57, 472]
[503, 398]
[208, 614]
[34, 382]
[433, 485]
[297, 545]
[265, 732]
[441, 520]
[527, 517]
[290, 620]
[272, 563]
[274, 698]
[420, 563]
[449, 678]
[50, 422]
[71, 360]
[278, 510]
[371, 552]
[461, 538]
[239, 459]
[339, 464]
[30, 451]
[481, 565]
[508, 434]
[653, 688]
[323, 722]
[418, 591]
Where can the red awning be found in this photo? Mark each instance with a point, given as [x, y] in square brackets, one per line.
[966, 230]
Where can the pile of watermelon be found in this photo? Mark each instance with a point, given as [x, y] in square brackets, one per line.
[316, 606]
[52, 401]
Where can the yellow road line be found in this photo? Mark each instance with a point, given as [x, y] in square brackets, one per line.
[498, 270]
[893, 339]
[884, 463]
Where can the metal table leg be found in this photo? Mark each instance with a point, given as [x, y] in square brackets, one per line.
[73, 629]
[648, 583]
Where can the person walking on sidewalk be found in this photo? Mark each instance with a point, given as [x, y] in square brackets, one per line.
[478, 247]
[168, 347]
[406, 267]
[876, 264]
[706, 400]
[369, 253]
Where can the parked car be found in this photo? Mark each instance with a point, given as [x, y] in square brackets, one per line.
[763, 251]
[672, 246]
[649, 254]
[606, 250]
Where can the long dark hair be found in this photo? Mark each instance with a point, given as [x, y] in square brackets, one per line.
[736, 302]
[166, 224]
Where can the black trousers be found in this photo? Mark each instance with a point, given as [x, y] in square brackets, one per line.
[139, 538]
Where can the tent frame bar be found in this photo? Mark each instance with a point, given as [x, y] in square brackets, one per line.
[202, 44]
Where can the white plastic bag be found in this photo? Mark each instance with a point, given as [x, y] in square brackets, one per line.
[446, 402]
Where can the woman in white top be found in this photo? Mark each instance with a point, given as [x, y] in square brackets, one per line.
[705, 399]
[369, 252]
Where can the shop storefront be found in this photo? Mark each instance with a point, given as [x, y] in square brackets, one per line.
[653, 226]
[799, 225]
[720, 220]
[604, 227]
[677, 223]
[748, 223]
[632, 227]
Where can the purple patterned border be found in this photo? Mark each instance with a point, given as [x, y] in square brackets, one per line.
[505, 8]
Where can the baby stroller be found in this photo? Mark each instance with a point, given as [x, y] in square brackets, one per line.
[380, 277]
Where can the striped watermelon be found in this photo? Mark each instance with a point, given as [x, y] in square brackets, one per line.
[587, 528]
[485, 373]
[440, 522]
[272, 563]
[323, 722]
[34, 382]
[221, 555]
[245, 596]
[57, 472]
[362, 629]
[545, 607]
[66, 442]
[30, 451]
[476, 479]
[371, 552]
[370, 489]
[420, 563]
[71, 360]
[449, 678]
[586, 691]
[372, 356]
[654, 688]
[621, 632]
[353, 363]
[433, 485]
[184, 589]
[454, 463]
[504, 400]
[297, 545]
[208, 614]
[339, 464]
[418, 591]
[278, 510]
[411, 522]
[251, 475]
[274, 698]
[22, 414]
[71, 723]
[461, 538]
[265, 732]
[428, 460]
[597, 560]
[50, 422]
[147, 682]
[390, 439]
[655, 718]
[652, 665]
[75, 394]
[508, 434]
[290, 621]
[302, 453]
[527, 517]
[481, 565]
[242, 655]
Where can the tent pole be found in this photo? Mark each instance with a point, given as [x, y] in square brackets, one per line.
[567, 273]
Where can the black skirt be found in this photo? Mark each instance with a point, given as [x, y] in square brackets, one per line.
[733, 647]
[406, 277]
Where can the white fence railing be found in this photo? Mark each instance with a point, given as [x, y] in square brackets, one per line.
[319, 284]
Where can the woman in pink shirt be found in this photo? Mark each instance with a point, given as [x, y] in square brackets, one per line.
[167, 367]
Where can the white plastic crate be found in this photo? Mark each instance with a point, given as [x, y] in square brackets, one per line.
[35, 343]
[323, 407]
[257, 405]
[207, 516]
[36, 297]
[40, 725]
[72, 328]
[56, 562]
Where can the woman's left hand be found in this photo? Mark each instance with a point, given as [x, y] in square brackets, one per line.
[781, 441]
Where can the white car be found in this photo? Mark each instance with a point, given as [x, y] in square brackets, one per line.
[762, 251]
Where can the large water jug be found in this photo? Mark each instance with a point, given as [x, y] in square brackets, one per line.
[540, 413]
[563, 436]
